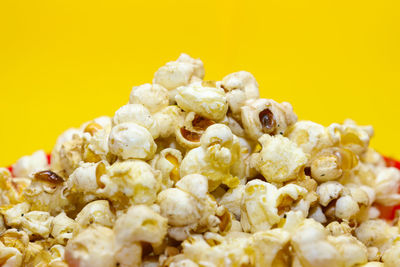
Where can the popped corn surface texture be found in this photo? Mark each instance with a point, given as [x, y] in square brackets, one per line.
[193, 172]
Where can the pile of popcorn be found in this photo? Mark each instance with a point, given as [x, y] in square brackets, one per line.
[201, 173]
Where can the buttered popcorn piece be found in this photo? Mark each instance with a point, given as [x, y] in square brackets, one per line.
[130, 140]
[279, 159]
[202, 173]
[209, 102]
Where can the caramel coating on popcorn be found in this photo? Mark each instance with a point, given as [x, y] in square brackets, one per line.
[201, 173]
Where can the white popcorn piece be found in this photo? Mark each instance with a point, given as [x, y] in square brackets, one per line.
[153, 96]
[57, 253]
[37, 223]
[386, 186]
[179, 207]
[130, 141]
[140, 224]
[178, 73]
[329, 191]
[376, 233]
[352, 251]
[28, 165]
[139, 114]
[350, 135]
[311, 246]
[84, 178]
[47, 193]
[208, 102]
[96, 212]
[265, 116]
[279, 159]
[168, 163]
[13, 245]
[391, 257]
[239, 87]
[167, 119]
[214, 159]
[63, 228]
[310, 136]
[232, 199]
[93, 246]
[130, 182]
[188, 133]
[14, 215]
[332, 163]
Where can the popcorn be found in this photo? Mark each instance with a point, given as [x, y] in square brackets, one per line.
[239, 87]
[93, 246]
[279, 159]
[310, 136]
[202, 173]
[331, 163]
[167, 119]
[219, 150]
[189, 133]
[63, 228]
[263, 204]
[351, 136]
[28, 165]
[137, 113]
[376, 233]
[46, 192]
[168, 163]
[131, 141]
[209, 102]
[96, 212]
[13, 245]
[37, 223]
[11, 189]
[153, 96]
[13, 216]
[386, 186]
[391, 257]
[178, 73]
[265, 116]
[140, 224]
[130, 182]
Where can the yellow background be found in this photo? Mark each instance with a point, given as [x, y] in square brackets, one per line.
[66, 62]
